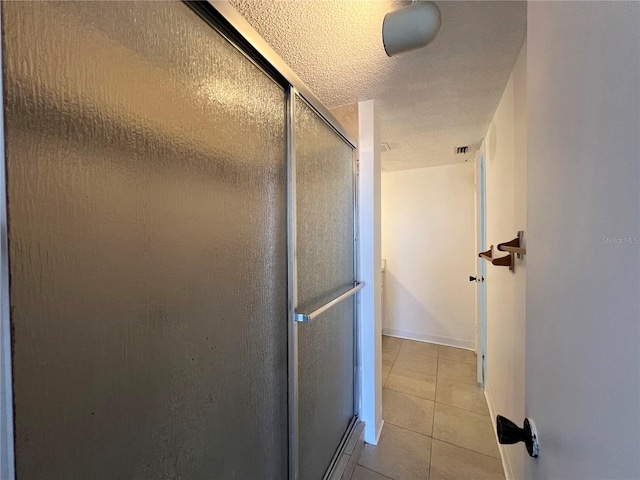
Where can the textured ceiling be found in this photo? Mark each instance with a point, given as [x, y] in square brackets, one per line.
[429, 100]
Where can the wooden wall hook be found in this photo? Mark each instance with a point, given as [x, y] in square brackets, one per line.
[506, 261]
[514, 246]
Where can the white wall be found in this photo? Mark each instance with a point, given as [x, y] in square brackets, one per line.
[369, 308]
[583, 279]
[428, 243]
[361, 121]
[506, 195]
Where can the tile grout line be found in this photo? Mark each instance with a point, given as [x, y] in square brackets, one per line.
[391, 368]
[456, 406]
[417, 371]
[412, 395]
[459, 408]
[396, 355]
[453, 360]
[392, 364]
[466, 410]
[433, 420]
[408, 429]
[439, 440]
[378, 473]
[437, 376]
[467, 449]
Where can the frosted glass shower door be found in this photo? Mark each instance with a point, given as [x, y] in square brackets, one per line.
[146, 170]
[325, 269]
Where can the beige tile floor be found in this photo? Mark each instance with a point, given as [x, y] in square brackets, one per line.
[437, 424]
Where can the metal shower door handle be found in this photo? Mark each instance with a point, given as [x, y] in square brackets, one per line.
[307, 317]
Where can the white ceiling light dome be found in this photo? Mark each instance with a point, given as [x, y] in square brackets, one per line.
[411, 27]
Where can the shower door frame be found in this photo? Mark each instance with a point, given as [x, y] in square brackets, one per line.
[294, 95]
[7, 455]
[222, 17]
[225, 19]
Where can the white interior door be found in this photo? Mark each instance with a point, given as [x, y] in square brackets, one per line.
[583, 239]
[480, 265]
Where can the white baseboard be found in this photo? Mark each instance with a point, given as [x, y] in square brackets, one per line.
[427, 337]
[506, 464]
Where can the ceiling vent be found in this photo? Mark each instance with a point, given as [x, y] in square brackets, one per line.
[384, 147]
[460, 150]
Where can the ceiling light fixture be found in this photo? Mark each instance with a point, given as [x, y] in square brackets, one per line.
[411, 27]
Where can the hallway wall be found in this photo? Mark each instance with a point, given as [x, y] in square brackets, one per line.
[506, 194]
[428, 243]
